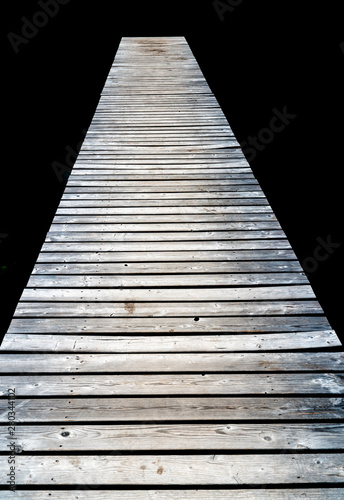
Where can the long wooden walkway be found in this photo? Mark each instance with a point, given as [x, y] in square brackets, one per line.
[168, 344]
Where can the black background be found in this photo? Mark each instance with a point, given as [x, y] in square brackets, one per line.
[263, 55]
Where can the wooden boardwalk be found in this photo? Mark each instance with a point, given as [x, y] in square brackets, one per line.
[168, 344]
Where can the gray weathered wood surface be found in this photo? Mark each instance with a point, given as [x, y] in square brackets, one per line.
[170, 343]
[168, 340]
[182, 436]
[180, 494]
[201, 469]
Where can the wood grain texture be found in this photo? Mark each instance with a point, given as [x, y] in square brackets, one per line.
[166, 280]
[206, 469]
[166, 268]
[158, 326]
[171, 343]
[178, 494]
[165, 256]
[171, 384]
[162, 309]
[120, 294]
[171, 362]
[305, 409]
[145, 437]
[168, 344]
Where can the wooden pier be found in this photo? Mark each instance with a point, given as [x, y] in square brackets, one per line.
[168, 344]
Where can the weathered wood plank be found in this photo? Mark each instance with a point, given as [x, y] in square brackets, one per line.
[108, 133]
[277, 266]
[164, 119]
[171, 343]
[133, 140]
[173, 325]
[151, 149]
[99, 170]
[171, 362]
[163, 280]
[172, 194]
[175, 384]
[176, 469]
[170, 219]
[165, 210]
[102, 173]
[219, 155]
[164, 409]
[165, 105]
[231, 182]
[171, 102]
[162, 309]
[85, 236]
[145, 170]
[292, 292]
[233, 157]
[193, 109]
[166, 146]
[56, 236]
[167, 158]
[195, 89]
[179, 184]
[199, 494]
[101, 201]
[159, 325]
[103, 131]
[187, 163]
[183, 109]
[113, 131]
[152, 246]
[165, 256]
[169, 437]
[238, 179]
[243, 187]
